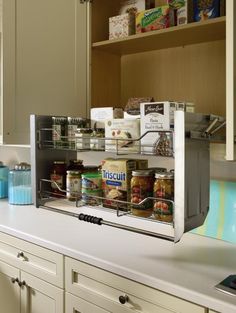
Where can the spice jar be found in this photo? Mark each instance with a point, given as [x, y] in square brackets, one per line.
[20, 189]
[141, 188]
[95, 142]
[83, 138]
[73, 124]
[58, 175]
[3, 180]
[164, 189]
[59, 131]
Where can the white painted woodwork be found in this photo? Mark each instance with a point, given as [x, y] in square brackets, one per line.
[9, 292]
[104, 288]
[40, 297]
[44, 60]
[230, 79]
[41, 262]
[210, 311]
[78, 305]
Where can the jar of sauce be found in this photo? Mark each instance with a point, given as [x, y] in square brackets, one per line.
[58, 175]
[164, 189]
[141, 188]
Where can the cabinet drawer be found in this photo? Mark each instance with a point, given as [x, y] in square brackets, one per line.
[38, 261]
[94, 284]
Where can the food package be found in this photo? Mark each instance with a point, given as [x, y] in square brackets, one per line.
[121, 25]
[155, 116]
[154, 19]
[184, 10]
[185, 106]
[125, 129]
[205, 9]
[132, 108]
[99, 115]
[127, 6]
[116, 176]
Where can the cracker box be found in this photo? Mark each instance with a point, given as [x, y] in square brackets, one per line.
[132, 108]
[121, 25]
[98, 116]
[126, 130]
[155, 116]
[204, 10]
[116, 176]
[154, 19]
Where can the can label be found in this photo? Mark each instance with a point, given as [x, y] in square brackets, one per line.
[73, 186]
[58, 179]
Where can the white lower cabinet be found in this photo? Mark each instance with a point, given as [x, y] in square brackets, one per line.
[116, 294]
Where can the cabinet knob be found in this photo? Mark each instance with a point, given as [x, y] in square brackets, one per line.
[21, 283]
[20, 255]
[14, 280]
[123, 299]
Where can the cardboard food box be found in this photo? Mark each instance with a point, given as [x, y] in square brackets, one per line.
[204, 10]
[184, 10]
[135, 6]
[185, 106]
[125, 129]
[98, 116]
[116, 176]
[154, 19]
[155, 116]
[121, 26]
[132, 108]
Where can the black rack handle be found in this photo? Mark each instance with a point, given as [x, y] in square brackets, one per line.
[90, 219]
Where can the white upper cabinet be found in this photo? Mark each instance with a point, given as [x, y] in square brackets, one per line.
[44, 63]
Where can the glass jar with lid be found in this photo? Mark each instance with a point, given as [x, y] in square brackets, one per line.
[73, 124]
[164, 189]
[19, 188]
[59, 132]
[141, 188]
[83, 136]
[3, 180]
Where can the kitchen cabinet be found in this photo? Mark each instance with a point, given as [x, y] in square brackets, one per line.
[34, 283]
[44, 63]
[116, 294]
[185, 63]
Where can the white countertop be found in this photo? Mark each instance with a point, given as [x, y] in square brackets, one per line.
[189, 269]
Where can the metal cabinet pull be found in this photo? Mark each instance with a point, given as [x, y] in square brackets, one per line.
[22, 283]
[20, 254]
[123, 299]
[14, 280]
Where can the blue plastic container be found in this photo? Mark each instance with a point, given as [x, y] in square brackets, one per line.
[3, 181]
[19, 186]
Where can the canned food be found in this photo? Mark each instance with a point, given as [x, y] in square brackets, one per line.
[73, 185]
[164, 189]
[141, 188]
[91, 186]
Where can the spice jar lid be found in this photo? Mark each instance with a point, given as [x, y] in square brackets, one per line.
[146, 172]
[22, 166]
[166, 175]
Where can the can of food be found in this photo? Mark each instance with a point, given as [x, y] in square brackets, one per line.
[142, 188]
[91, 186]
[73, 185]
[164, 189]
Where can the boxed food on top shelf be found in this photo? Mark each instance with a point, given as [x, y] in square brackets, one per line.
[204, 10]
[125, 129]
[121, 25]
[132, 108]
[185, 106]
[116, 176]
[135, 6]
[154, 19]
[100, 115]
[184, 10]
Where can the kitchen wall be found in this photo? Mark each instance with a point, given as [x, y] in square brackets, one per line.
[11, 154]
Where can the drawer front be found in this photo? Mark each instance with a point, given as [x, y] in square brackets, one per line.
[93, 283]
[38, 261]
[78, 305]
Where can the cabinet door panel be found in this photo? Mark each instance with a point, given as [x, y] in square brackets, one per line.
[38, 296]
[46, 72]
[9, 292]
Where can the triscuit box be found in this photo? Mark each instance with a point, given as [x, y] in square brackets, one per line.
[116, 176]
[125, 129]
[121, 26]
[154, 19]
[98, 116]
[155, 116]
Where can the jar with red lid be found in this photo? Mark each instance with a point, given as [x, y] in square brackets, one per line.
[141, 188]
[164, 189]
[58, 175]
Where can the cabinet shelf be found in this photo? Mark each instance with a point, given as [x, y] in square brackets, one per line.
[193, 33]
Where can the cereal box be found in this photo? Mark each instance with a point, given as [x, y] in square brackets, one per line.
[121, 25]
[154, 19]
[116, 176]
[100, 115]
[204, 10]
[124, 129]
[135, 6]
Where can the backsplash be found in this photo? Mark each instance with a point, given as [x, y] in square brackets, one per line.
[221, 220]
